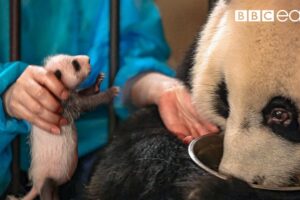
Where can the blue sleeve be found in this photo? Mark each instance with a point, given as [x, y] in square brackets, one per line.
[9, 127]
[143, 45]
[9, 73]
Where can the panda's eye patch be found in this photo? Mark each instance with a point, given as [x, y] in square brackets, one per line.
[76, 65]
[58, 74]
[221, 100]
[281, 116]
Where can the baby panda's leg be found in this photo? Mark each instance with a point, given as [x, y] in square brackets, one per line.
[89, 102]
[49, 190]
[95, 88]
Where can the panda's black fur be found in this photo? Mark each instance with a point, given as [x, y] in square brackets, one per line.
[147, 162]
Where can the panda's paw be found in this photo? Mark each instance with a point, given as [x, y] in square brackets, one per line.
[98, 82]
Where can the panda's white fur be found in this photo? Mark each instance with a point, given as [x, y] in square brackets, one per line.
[257, 61]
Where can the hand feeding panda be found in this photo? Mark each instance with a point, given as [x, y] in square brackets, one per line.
[54, 157]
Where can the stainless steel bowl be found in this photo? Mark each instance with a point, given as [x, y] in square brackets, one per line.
[207, 152]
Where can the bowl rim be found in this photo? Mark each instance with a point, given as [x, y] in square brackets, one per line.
[224, 177]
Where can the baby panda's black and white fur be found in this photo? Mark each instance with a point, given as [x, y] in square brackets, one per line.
[54, 157]
[244, 77]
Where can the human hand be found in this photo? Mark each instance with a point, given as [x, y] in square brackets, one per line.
[33, 97]
[174, 104]
[179, 115]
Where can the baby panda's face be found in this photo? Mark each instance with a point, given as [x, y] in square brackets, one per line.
[246, 79]
[71, 70]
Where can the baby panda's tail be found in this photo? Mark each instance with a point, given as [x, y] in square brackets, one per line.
[49, 190]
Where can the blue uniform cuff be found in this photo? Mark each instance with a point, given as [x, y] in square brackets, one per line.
[127, 72]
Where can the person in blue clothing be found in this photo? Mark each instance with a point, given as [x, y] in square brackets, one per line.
[29, 95]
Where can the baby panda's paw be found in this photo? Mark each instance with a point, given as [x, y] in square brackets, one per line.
[113, 91]
[95, 88]
[98, 82]
[107, 96]
[90, 99]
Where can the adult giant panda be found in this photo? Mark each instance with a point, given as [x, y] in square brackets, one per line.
[245, 77]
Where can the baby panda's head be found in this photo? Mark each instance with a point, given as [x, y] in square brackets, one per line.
[246, 79]
[71, 70]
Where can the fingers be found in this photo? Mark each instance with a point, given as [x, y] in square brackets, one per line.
[210, 127]
[23, 112]
[190, 132]
[195, 130]
[187, 139]
[32, 98]
[201, 130]
[201, 125]
[192, 123]
[49, 81]
[182, 131]
[180, 116]
[178, 129]
[37, 109]
[42, 95]
[39, 115]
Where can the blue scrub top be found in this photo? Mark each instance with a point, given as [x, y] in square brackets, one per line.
[78, 27]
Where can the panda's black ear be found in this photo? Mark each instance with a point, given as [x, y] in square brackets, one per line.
[58, 74]
[76, 65]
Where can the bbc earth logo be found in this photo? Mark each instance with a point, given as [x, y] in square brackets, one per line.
[267, 16]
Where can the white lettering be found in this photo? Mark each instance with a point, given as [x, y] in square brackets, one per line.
[254, 16]
[296, 17]
[241, 16]
[282, 15]
[268, 16]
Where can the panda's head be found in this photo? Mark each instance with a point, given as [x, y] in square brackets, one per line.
[71, 70]
[246, 79]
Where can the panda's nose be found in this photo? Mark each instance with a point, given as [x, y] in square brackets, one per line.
[258, 180]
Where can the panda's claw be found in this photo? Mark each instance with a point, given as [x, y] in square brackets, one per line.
[98, 82]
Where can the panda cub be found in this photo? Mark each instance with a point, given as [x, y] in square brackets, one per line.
[54, 157]
[245, 78]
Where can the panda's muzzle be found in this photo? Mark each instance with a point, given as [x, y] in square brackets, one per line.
[207, 152]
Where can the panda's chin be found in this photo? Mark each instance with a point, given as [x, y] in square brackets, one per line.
[291, 183]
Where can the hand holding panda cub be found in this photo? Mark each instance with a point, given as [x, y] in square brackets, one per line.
[54, 157]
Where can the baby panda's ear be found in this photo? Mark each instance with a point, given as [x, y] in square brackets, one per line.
[58, 74]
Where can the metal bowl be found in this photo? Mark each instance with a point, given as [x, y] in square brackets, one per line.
[207, 152]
